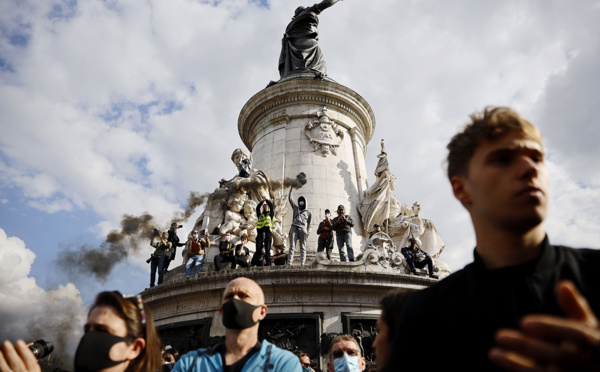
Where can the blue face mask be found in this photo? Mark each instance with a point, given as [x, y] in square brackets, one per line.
[305, 369]
[346, 363]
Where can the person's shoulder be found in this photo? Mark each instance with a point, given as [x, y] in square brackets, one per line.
[441, 292]
[191, 358]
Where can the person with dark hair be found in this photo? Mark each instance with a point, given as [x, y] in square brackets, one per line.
[162, 249]
[305, 362]
[325, 232]
[119, 336]
[174, 239]
[522, 304]
[242, 253]
[226, 253]
[243, 308]
[391, 306]
[300, 230]
[342, 225]
[265, 210]
[345, 355]
[280, 258]
[416, 258]
[195, 251]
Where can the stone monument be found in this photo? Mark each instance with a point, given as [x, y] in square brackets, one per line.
[308, 132]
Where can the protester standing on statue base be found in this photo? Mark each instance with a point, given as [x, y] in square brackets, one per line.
[342, 225]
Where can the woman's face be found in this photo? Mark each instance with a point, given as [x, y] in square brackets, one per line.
[105, 319]
[382, 345]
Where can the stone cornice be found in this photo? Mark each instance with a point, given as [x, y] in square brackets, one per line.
[272, 102]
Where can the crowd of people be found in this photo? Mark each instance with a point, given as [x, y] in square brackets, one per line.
[233, 255]
[522, 305]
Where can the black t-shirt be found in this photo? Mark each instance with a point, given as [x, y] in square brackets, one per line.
[237, 366]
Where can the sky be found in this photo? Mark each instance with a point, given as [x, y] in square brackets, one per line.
[116, 107]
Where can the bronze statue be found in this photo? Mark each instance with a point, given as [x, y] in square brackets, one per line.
[300, 50]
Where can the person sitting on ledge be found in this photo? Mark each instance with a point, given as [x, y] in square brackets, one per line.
[416, 258]
[280, 258]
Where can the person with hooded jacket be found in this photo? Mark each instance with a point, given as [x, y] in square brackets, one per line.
[300, 229]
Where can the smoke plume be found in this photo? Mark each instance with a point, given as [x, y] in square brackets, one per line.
[195, 200]
[296, 183]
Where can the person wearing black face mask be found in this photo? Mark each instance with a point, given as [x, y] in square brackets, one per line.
[242, 309]
[119, 337]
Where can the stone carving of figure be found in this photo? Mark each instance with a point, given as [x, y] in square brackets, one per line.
[411, 225]
[324, 134]
[234, 218]
[251, 219]
[300, 50]
[379, 203]
[243, 162]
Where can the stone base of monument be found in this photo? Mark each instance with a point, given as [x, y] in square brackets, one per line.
[308, 305]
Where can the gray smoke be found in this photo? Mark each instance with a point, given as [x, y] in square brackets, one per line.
[296, 183]
[195, 200]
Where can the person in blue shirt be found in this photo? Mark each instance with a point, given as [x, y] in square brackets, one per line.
[243, 307]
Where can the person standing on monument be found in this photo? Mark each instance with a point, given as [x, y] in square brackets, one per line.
[300, 229]
[523, 304]
[195, 250]
[300, 50]
[243, 307]
[342, 225]
[265, 210]
[162, 249]
[174, 239]
[325, 232]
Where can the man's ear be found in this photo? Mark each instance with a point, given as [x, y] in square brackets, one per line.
[460, 188]
[262, 313]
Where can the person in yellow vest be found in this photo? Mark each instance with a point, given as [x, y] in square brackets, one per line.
[265, 212]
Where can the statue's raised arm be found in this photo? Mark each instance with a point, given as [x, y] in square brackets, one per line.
[300, 50]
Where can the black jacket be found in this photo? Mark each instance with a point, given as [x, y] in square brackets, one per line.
[450, 325]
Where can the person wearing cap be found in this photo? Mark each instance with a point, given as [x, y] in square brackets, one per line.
[342, 225]
[174, 239]
[416, 258]
[325, 232]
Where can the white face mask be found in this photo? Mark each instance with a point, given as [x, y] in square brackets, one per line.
[195, 236]
[228, 238]
[346, 363]
[327, 215]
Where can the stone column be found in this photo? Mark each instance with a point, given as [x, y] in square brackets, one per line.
[273, 125]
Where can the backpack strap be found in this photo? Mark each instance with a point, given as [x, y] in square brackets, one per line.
[268, 365]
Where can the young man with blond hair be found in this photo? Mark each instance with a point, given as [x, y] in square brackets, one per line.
[523, 304]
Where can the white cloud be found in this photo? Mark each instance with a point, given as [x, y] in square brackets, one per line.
[125, 107]
[28, 311]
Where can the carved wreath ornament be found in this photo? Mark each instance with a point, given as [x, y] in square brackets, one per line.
[324, 134]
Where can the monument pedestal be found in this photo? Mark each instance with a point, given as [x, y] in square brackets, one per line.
[307, 305]
[318, 127]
